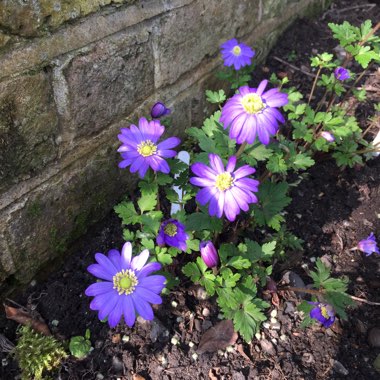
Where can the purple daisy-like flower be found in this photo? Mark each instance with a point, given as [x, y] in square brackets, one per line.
[238, 55]
[368, 246]
[209, 253]
[329, 137]
[341, 73]
[323, 313]
[158, 110]
[227, 190]
[140, 148]
[252, 112]
[128, 287]
[172, 233]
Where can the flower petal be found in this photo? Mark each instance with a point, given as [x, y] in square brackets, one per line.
[142, 307]
[147, 295]
[201, 170]
[155, 283]
[169, 143]
[148, 269]
[244, 171]
[139, 261]
[202, 182]
[114, 256]
[116, 313]
[98, 288]
[100, 272]
[216, 163]
[126, 255]
[129, 311]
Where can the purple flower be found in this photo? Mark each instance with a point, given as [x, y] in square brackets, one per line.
[128, 287]
[341, 73]
[140, 149]
[209, 254]
[368, 245]
[328, 136]
[253, 112]
[158, 110]
[238, 55]
[323, 313]
[172, 233]
[227, 190]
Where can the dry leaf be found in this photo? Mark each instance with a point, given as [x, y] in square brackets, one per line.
[242, 353]
[218, 337]
[135, 376]
[213, 373]
[24, 318]
[116, 338]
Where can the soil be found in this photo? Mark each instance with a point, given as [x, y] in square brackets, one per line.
[332, 210]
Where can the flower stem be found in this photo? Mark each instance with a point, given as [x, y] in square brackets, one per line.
[314, 84]
[241, 149]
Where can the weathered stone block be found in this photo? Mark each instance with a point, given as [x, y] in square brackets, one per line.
[109, 81]
[28, 125]
[182, 44]
[32, 18]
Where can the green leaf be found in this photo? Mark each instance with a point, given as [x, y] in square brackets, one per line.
[303, 161]
[147, 243]
[200, 221]
[239, 262]
[215, 96]
[164, 258]
[277, 164]
[152, 221]
[127, 212]
[255, 252]
[272, 197]
[365, 56]
[128, 235]
[339, 301]
[147, 202]
[192, 245]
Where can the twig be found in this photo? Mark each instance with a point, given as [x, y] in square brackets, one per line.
[294, 67]
[321, 292]
[339, 11]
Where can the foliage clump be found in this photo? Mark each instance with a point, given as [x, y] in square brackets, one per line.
[37, 354]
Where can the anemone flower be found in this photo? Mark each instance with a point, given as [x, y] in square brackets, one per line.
[158, 110]
[209, 253]
[128, 287]
[368, 246]
[323, 313]
[227, 190]
[341, 73]
[252, 112]
[140, 148]
[172, 233]
[238, 55]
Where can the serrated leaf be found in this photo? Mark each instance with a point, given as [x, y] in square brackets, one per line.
[147, 202]
[272, 200]
[239, 262]
[127, 212]
[215, 96]
[152, 221]
[303, 161]
[191, 270]
[200, 221]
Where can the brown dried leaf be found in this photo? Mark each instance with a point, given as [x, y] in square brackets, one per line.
[242, 353]
[218, 337]
[213, 373]
[116, 338]
[136, 376]
[24, 318]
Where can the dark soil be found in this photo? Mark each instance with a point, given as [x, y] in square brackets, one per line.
[331, 211]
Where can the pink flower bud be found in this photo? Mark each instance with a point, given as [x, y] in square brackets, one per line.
[209, 253]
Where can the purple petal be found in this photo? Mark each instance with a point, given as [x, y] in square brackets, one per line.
[142, 307]
[231, 208]
[166, 153]
[158, 164]
[202, 182]
[213, 207]
[201, 170]
[129, 311]
[231, 164]
[98, 288]
[148, 269]
[154, 283]
[100, 272]
[116, 313]
[147, 295]
[216, 163]
[139, 261]
[205, 194]
[114, 256]
[244, 171]
[136, 164]
[247, 184]
[221, 200]
[143, 168]
[169, 143]
[261, 87]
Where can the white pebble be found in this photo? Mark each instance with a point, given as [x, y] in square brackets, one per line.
[99, 376]
[191, 344]
[273, 313]
[55, 323]
[266, 325]
[163, 360]
[274, 340]
[220, 353]
[273, 320]
[220, 316]
[283, 337]
[174, 341]
[258, 336]
[179, 319]
[205, 312]
[313, 259]
[174, 303]
[194, 356]
[230, 349]
[125, 338]
[276, 326]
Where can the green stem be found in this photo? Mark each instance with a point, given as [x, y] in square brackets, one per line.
[241, 149]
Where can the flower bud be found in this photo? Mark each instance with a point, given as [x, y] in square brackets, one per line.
[158, 110]
[209, 253]
[328, 136]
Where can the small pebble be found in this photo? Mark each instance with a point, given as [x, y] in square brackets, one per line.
[276, 326]
[283, 337]
[174, 341]
[289, 308]
[220, 353]
[125, 338]
[191, 344]
[4, 362]
[339, 368]
[201, 294]
[179, 319]
[273, 313]
[258, 336]
[205, 312]
[274, 340]
[99, 376]
[54, 323]
[313, 259]
[194, 356]
[273, 320]
[230, 349]
[267, 347]
[174, 304]
[266, 325]
[33, 283]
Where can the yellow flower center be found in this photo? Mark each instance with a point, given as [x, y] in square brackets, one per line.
[147, 148]
[125, 281]
[252, 103]
[236, 50]
[170, 229]
[324, 312]
[224, 181]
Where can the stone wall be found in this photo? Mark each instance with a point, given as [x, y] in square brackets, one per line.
[71, 73]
